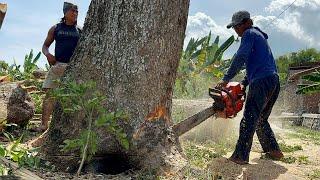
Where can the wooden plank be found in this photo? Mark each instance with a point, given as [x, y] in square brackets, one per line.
[288, 117]
[297, 75]
[311, 115]
[21, 172]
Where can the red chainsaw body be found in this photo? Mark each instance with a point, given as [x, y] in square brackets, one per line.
[229, 100]
[235, 100]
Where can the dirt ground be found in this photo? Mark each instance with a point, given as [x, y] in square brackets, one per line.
[306, 165]
[307, 160]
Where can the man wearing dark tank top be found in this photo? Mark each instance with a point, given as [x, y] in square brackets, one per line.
[66, 35]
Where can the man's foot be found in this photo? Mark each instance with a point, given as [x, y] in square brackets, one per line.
[42, 128]
[238, 161]
[274, 155]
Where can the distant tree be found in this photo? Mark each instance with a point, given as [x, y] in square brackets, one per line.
[302, 56]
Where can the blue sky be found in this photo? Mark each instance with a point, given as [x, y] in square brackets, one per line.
[27, 22]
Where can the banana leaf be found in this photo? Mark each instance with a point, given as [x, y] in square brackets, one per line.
[223, 48]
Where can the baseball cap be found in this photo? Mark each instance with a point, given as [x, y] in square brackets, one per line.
[67, 6]
[238, 17]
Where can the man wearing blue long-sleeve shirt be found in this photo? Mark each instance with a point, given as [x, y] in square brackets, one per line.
[255, 53]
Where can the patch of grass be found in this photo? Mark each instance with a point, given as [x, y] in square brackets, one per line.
[288, 148]
[5, 171]
[189, 172]
[288, 159]
[315, 174]
[306, 134]
[37, 99]
[179, 113]
[200, 155]
[147, 174]
[192, 173]
[223, 146]
[303, 160]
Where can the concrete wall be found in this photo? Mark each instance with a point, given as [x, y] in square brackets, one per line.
[299, 103]
[311, 121]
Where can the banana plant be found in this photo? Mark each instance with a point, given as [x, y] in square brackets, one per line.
[189, 55]
[201, 57]
[14, 72]
[314, 87]
[30, 64]
[211, 63]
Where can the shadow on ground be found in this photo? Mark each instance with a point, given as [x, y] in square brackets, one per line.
[258, 169]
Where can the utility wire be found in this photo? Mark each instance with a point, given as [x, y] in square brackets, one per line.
[281, 13]
[237, 40]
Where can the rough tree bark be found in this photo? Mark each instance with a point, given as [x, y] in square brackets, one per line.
[3, 10]
[131, 48]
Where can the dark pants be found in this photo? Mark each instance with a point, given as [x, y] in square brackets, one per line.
[261, 97]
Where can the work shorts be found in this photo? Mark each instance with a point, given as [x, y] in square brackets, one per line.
[55, 73]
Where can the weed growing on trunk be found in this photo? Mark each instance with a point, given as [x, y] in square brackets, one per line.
[85, 98]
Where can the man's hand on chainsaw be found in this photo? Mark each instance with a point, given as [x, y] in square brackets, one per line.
[221, 84]
[243, 87]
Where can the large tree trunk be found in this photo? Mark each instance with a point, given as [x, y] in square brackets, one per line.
[3, 10]
[131, 48]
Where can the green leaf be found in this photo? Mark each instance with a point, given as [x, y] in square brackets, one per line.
[125, 143]
[101, 121]
[2, 151]
[216, 41]
[202, 56]
[212, 50]
[9, 136]
[37, 58]
[224, 47]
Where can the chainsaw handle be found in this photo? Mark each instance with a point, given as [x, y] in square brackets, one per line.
[219, 91]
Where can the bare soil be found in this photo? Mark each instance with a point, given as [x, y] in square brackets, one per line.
[307, 160]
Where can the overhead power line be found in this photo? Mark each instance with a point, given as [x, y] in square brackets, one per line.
[281, 13]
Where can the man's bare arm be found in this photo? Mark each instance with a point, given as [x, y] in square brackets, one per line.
[47, 43]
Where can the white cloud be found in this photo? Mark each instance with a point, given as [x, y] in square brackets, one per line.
[201, 24]
[288, 25]
[300, 20]
[280, 5]
[297, 28]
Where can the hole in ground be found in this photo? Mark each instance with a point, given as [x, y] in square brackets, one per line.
[110, 164]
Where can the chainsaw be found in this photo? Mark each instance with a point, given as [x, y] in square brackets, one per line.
[227, 103]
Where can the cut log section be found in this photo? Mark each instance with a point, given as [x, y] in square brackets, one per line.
[191, 122]
[3, 10]
[19, 172]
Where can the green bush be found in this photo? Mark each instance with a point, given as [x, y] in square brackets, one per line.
[15, 72]
[302, 56]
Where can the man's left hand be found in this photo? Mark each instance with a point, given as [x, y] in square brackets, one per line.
[221, 84]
